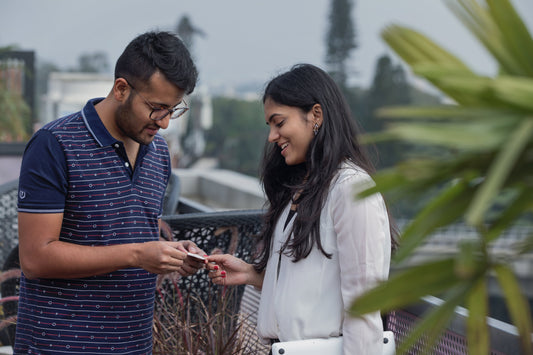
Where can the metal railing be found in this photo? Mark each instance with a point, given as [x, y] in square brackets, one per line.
[8, 218]
[236, 232]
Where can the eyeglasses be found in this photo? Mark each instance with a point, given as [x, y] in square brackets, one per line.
[158, 113]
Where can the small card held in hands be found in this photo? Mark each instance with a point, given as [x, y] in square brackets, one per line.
[196, 256]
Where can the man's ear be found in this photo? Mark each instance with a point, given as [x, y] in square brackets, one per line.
[121, 89]
[316, 110]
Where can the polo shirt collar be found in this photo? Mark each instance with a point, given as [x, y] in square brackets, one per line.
[96, 126]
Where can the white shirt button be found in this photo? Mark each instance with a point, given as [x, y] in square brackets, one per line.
[126, 164]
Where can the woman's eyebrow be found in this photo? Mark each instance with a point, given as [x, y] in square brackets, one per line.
[271, 118]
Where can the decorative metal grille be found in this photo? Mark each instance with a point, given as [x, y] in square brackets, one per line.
[232, 232]
[8, 218]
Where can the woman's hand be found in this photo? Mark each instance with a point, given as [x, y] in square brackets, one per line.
[229, 270]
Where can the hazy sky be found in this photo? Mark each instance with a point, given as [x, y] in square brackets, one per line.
[246, 40]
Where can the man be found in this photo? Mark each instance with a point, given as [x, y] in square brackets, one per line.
[90, 199]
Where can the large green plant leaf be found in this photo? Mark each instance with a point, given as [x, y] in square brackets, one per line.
[441, 211]
[488, 137]
[517, 305]
[448, 112]
[515, 208]
[408, 286]
[515, 34]
[499, 170]
[500, 30]
[477, 330]
[515, 92]
[429, 329]
[415, 48]
[477, 135]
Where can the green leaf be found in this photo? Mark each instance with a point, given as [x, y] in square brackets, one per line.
[415, 47]
[498, 172]
[429, 329]
[385, 180]
[449, 112]
[471, 259]
[480, 22]
[515, 36]
[515, 91]
[517, 304]
[477, 329]
[510, 213]
[471, 136]
[469, 90]
[442, 210]
[407, 287]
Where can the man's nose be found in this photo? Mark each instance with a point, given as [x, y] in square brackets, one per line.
[164, 122]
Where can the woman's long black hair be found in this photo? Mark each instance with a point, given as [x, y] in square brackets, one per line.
[304, 86]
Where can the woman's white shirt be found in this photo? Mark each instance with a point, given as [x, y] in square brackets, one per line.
[309, 298]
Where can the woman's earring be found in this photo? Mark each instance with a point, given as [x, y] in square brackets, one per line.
[315, 129]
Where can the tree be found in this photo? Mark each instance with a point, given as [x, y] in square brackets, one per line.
[187, 31]
[340, 40]
[237, 129]
[486, 179]
[15, 114]
[95, 62]
[389, 88]
[44, 69]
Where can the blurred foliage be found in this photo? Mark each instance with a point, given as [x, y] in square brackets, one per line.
[238, 131]
[237, 135]
[15, 114]
[340, 40]
[390, 87]
[484, 179]
[95, 62]
[187, 32]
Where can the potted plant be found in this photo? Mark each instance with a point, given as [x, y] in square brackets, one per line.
[485, 178]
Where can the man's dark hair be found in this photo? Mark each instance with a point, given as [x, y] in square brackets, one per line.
[158, 51]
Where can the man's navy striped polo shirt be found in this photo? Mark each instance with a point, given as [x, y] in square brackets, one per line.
[75, 167]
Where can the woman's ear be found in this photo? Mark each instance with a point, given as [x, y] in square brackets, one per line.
[317, 114]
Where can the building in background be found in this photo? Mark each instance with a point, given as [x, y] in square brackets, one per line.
[68, 92]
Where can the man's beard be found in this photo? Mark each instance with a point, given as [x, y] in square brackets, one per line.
[123, 117]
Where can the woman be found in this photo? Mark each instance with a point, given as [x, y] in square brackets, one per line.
[321, 247]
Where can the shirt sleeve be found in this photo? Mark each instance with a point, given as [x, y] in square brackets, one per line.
[43, 181]
[363, 239]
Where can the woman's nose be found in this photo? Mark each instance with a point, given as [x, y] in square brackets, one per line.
[273, 135]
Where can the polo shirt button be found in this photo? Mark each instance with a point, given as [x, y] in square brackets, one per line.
[116, 145]
[127, 164]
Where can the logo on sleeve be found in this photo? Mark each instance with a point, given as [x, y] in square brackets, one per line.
[22, 194]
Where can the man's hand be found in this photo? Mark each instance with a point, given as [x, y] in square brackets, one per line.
[161, 257]
[191, 265]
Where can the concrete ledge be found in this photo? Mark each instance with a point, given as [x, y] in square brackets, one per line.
[221, 189]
